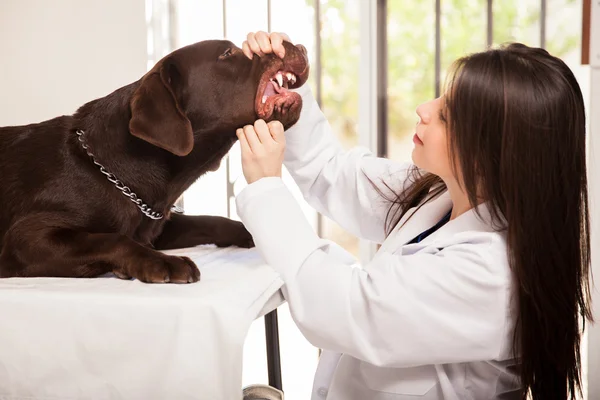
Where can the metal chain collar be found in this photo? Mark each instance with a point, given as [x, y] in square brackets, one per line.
[145, 208]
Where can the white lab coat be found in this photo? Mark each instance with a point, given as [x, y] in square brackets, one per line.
[432, 320]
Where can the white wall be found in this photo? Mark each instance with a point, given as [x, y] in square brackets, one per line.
[57, 55]
[594, 178]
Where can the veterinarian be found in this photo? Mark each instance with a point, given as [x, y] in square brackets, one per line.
[482, 277]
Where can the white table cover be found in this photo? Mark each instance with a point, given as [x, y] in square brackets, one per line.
[106, 338]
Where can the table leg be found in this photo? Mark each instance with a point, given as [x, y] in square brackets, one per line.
[273, 354]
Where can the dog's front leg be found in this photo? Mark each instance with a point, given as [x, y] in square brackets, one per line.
[45, 245]
[182, 231]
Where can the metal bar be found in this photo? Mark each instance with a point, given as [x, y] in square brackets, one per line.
[173, 44]
[318, 67]
[269, 16]
[593, 330]
[543, 13]
[368, 90]
[318, 63]
[585, 32]
[438, 59]
[229, 185]
[595, 37]
[273, 353]
[224, 19]
[382, 72]
[173, 26]
[228, 182]
[490, 23]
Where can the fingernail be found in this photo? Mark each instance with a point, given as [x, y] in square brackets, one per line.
[281, 54]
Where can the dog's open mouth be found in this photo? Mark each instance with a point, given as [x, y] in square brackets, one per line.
[273, 96]
[273, 93]
[279, 85]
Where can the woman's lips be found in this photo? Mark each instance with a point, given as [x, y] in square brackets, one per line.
[417, 140]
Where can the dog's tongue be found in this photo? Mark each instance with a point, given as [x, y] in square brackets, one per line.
[272, 89]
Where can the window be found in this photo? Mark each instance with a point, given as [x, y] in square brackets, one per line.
[462, 27]
[423, 38]
[176, 23]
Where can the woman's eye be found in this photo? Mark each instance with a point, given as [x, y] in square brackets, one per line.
[226, 54]
[442, 116]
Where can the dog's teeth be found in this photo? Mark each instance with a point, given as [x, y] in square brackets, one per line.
[279, 78]
[289, 76]
[293, 79]
[264, 99]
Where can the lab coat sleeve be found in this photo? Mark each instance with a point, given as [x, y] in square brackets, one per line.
[338, 183]
[441, 306]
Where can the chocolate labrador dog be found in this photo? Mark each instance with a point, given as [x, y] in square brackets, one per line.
[92, 193]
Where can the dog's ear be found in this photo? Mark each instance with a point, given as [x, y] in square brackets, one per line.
[156, 115]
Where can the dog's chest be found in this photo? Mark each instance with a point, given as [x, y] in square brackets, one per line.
[143, 230]
[150, 232]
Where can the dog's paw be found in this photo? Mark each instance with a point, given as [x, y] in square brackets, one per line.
[236, 234]
[119, 273]
[246, 241]
[163, 269]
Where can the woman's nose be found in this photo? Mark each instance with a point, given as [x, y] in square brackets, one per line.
[423, 113]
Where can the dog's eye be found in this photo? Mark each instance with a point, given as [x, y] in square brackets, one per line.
[226, 54]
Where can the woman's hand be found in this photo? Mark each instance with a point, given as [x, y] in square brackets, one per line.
[262, 147]
[263, 43]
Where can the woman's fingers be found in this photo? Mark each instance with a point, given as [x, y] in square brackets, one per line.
[277, 43]
[276, 131]
[285, 36]
[246, 50]
[253, 44]
[261, 136]
[253, 140]
[244, 145]
[263, 149]
[262, 43]
[262, 131]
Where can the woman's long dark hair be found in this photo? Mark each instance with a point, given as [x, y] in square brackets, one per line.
[516, 119]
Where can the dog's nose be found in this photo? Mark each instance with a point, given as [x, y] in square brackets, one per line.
[302, 49]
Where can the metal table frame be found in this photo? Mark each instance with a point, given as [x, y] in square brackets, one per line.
[273, 352]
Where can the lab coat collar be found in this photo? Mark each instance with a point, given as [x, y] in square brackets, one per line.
[429, 214]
